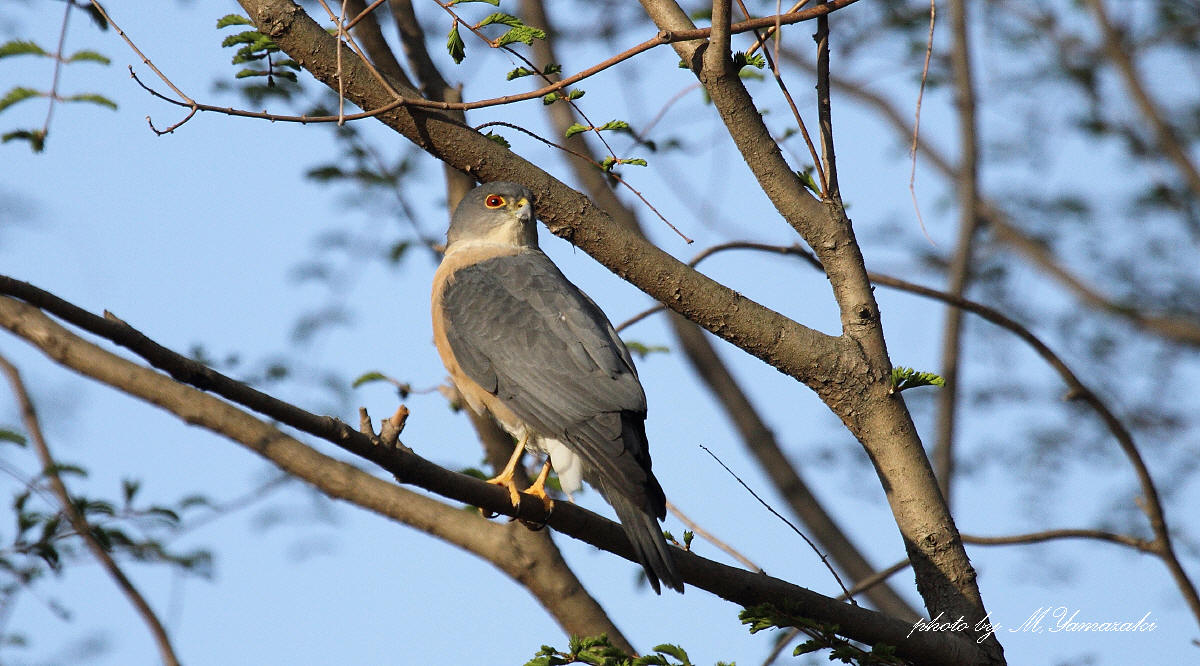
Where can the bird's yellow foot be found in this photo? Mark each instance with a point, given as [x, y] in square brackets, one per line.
[505, 480]
[538, 490]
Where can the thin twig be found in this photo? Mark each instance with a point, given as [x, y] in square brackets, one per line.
[824, 558]
[58, 63]
[78, 521]
[828, 164]
[773, 63]
[1151, 505]
[614, 176]
[916, 134]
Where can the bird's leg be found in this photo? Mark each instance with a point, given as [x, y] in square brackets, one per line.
[539, 489]
[505, 477]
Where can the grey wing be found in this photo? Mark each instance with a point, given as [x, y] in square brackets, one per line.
[520, 329]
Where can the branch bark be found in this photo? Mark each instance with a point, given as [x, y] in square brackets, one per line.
[866, 405]
[755, 434]
[344, 481]
[1008, 231]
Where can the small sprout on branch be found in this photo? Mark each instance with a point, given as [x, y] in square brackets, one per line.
[498, 139]
[555, 96]
[642, 350]
[233, 19]
[518, 31]
[519, 72]
[905, 378]
[806, 176]
[609, 162]
[612, 125]
[255, 47]
[741, 59]
[367, 378]
[36, 138]
[455, 45]
[599, 651]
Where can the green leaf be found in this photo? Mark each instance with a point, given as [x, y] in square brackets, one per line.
[233, 19]
[455, 45]
[367, 378]
[551, 68]
[501, 18]
[13, 436]
[65, 468]
[576, 94]
[614, 125]
[36, 138]
[92, 98]
[674, 651]
[576, 129]
[905, 378]
[550, 98]
[636, 161]
[245, 37]
[806, 177]
[87, 55]
[247, 73]
[741, 59]
[194, 500]
[808, 647]
[518, 73]
[21, 47]
[524, 34]
[166, 515]
[498, 139]
[18, 94]
[643, 350]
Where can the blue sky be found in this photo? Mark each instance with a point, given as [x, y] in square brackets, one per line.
[194, 239]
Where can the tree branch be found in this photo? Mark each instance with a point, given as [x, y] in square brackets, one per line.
[756, 436]
[344, 481]
[796, 350]
[78, 521]
[1006, 230]
[1166, 138]
[967, 190]
[878, 418]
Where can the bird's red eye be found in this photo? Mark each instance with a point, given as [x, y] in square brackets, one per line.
[493, 201]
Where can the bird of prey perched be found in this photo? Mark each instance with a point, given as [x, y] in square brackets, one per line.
[525, 345]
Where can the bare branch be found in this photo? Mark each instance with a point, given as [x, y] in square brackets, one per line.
[341, 480]
[966, 187]
[78, 521]
[1166, 137]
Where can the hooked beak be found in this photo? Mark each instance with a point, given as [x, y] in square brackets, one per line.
[524, 209]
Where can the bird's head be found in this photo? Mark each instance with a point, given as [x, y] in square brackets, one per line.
[499, 213]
